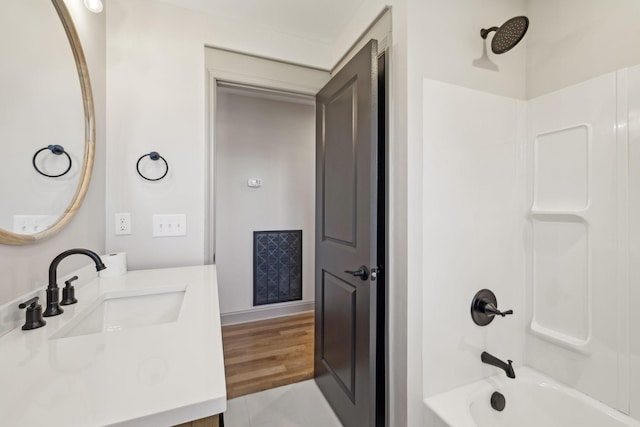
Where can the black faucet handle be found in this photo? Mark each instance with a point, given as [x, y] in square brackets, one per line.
[34, 318]
[68, 282]
[69, 292]
[32, 303]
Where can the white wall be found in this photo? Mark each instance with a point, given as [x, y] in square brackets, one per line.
[157, 89]
[473, 219]
[25, 268]
[447, 41]
[246, 33]
[571, 41]
[274, 140]
[156, 102]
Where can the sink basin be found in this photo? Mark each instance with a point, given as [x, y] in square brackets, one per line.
[127, 309]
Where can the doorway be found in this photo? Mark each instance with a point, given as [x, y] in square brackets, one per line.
[237, 86]
[351, 239]
[261, 179]
[265, 183]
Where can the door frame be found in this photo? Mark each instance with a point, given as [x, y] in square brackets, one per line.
[229, 71]
[378, 327]
[252, 71]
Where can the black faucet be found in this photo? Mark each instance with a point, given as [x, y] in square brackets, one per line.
[53, 292]
[494, 361]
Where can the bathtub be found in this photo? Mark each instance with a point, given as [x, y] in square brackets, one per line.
[532, 400]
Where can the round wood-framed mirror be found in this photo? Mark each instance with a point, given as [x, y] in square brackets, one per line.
[83, 149]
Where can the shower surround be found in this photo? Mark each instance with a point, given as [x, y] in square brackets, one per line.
[533, 201]
[531, 188]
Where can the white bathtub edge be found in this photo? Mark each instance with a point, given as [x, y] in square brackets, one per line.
[452, 408]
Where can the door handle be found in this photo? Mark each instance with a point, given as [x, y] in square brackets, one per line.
[362, 272]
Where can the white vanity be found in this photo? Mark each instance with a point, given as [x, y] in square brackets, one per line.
[142, 349]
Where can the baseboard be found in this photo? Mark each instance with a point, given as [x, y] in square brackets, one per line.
[263, 313]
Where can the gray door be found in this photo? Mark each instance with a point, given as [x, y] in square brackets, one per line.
[346, 227]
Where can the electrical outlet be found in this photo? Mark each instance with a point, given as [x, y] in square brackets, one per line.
[31, 224]
[169, 225]
[123, 224]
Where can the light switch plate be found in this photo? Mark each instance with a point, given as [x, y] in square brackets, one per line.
[169, 225]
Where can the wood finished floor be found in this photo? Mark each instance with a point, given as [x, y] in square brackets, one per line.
[268, 354]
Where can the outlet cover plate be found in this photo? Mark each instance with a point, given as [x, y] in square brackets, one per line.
[122, 224]
[169, 225]
[32, 224]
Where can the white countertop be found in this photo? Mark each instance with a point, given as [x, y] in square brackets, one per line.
[159, 375]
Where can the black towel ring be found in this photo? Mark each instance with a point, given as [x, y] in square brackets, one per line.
[153, 156]
[57, 150]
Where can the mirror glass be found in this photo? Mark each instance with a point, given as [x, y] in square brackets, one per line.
[41, 105]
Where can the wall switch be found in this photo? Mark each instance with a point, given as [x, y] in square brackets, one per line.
[254, 182]
[123, 224]
[169, 225]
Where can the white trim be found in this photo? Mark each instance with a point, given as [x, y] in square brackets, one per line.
[266, 58]
[263, 313]
[379, 29]
[209, 188]
[233, 68]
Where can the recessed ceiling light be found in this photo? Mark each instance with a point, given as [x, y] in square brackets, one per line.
[94, 6]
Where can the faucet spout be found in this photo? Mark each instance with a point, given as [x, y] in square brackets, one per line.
[53, 292]
[494, 361]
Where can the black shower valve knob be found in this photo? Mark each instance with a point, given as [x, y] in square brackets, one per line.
[491, 310]
[484, 308]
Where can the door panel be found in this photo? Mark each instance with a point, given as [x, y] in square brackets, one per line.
[339, 323]
[346, 238]
[340, 160]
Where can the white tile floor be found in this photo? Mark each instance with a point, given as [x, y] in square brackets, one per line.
[294, 405]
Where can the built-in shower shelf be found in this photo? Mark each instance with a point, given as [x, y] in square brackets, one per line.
[560, 215]
[582, 346]
[561, 278]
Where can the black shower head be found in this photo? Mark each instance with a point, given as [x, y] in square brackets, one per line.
[508, 35]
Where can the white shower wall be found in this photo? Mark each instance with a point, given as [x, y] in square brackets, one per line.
[474, 219]
[633, 121]
[538, 200]
[573, 279]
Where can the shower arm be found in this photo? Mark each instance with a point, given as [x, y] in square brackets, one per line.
[485, 32]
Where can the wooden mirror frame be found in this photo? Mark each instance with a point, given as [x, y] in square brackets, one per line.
[9, 238]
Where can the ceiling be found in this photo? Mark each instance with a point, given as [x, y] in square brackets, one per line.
[319, 20]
